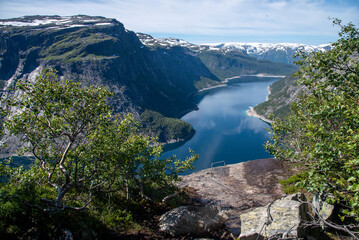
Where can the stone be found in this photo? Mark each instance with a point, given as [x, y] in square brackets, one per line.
[238, 187]
[322, 207]
[192, 220]
[280, 219]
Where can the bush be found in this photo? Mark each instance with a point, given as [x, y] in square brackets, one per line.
[322, 131]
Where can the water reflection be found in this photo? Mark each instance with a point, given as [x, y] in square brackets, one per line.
[223, 130]
[249, 124]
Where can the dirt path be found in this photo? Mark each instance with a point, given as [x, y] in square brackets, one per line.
[238, 187]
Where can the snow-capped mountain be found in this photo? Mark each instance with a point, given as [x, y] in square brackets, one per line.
[260, 48]
[152, 42]
[275, 52]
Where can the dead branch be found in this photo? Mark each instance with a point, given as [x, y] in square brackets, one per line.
[317, 222]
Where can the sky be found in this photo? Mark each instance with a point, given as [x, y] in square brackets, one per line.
[208, 21]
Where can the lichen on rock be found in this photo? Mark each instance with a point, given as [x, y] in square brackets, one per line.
[282, 218]
[192, 219]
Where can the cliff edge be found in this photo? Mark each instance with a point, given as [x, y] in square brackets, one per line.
[238, 187]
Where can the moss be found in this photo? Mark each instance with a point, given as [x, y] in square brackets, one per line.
[289, 185]
[76, 46]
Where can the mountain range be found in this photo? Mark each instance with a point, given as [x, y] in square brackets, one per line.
[275, 52]
[152, 78]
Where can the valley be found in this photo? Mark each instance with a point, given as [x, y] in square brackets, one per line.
[123, 135]
[224, 131]
[144, 73]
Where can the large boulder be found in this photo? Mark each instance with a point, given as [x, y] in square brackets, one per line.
[192, 219]
[279, 219]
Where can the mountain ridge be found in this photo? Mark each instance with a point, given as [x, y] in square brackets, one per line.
[277, 52]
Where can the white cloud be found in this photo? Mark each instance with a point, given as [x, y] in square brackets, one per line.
[203, 17]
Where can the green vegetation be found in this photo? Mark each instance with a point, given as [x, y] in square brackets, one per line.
[79, 45]
[205, 83]
[94, 173]
[164, 128]
[225, 65]
[278, 103]
[290, 185]
[322, 131]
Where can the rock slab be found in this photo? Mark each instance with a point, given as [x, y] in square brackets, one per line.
[280, 219]
[238, 187]
[192, 219]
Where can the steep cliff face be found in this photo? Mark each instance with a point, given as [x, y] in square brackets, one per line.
[101, 51]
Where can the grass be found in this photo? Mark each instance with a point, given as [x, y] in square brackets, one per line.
[289, 185]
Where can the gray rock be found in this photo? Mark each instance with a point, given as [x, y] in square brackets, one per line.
[320, 206]
[192, 219]
[281, 218]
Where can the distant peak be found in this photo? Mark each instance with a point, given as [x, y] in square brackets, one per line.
[169, 42]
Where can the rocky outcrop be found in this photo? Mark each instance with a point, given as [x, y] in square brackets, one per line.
[290, 217]
[256, 206]
[194, 220]
[322, 208]
[281, 218]
[238, 187]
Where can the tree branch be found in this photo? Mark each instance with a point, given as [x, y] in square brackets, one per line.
[344, 228]
[61, 163]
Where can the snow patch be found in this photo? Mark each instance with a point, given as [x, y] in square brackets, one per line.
[103, 24]
[61, 22]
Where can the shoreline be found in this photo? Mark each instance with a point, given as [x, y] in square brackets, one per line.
[252, 113]
[224, 83]
[261, 75]
[213, 87]
[269, 92]
[226, 80]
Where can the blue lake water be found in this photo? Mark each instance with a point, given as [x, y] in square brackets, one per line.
[224, 132]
